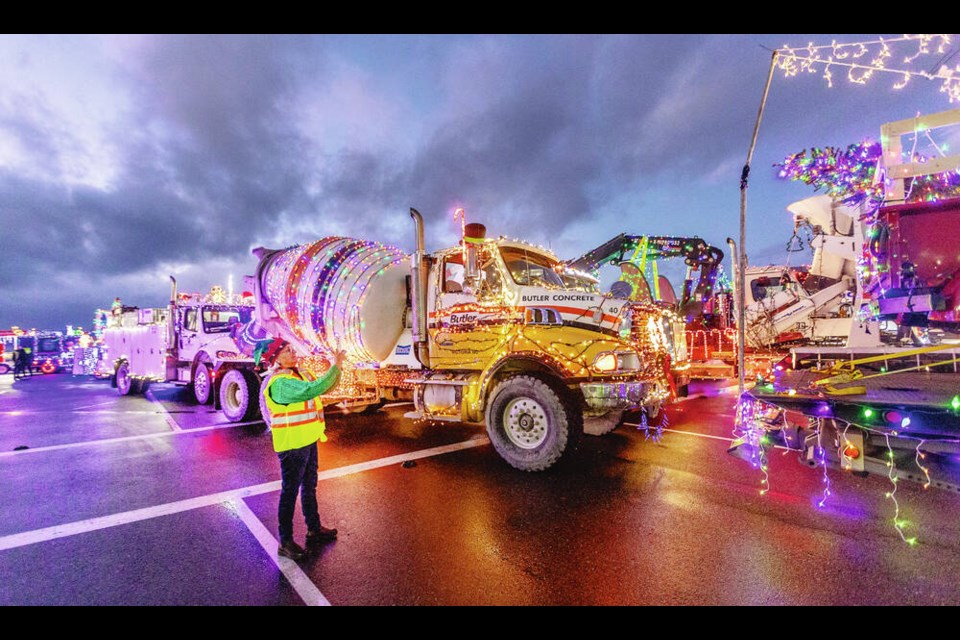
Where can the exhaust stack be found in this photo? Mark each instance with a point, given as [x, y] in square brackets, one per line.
[173, 346]
[418, 291]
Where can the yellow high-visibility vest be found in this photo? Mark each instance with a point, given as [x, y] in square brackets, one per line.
[294, 425]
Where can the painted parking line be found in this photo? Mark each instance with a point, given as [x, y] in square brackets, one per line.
[166, 414]
[728, 439]
[688, 433]
[91, 443]
[299, 580]
[104, 522]
[98, 404]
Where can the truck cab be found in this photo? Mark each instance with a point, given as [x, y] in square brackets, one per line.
[507, 338]
[187, 342]
[203, 346]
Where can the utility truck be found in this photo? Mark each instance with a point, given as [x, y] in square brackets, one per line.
[867, 405]
[187, 342]
[492, 331]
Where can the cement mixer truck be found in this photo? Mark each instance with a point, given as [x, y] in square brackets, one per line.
[493, 331]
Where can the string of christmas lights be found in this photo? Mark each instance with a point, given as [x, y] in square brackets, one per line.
[822, 453]
[754, 422]
[863, 59]
[319, 289]
[848, 175]
[898, 524]
[919, 456]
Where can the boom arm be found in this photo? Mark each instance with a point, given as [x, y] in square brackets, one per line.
[696, 254]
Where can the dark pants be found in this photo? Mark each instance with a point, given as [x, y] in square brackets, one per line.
[298, 473]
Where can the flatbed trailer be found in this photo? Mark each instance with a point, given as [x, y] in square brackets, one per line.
[902, 424]
[893, 357]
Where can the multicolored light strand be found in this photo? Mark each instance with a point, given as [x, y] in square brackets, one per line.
[863, 59]
[849, 175]
[654, 433]
[917, 458]
[319, 289]
[822, 453]
[754, 436]
[898, 524]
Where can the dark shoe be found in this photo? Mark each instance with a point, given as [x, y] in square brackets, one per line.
[320, 536]
[292, 550]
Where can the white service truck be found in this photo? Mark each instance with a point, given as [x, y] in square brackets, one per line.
[187, 342]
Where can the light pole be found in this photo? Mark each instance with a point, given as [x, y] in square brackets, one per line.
[742, 258]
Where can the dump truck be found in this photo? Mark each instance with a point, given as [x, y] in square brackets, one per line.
[493, 332]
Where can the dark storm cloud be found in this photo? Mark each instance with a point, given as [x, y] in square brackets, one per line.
[205, 154]
[219, 105]
[576, 116]
[220, 143]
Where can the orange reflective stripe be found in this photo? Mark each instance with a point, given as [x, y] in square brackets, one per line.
[287, 418]
[299, 413]
[295, 425]
[298, 424]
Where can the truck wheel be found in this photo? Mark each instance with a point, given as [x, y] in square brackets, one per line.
[203, 383]
[239, 393]
[529, 423]
[264, 411]
[4, 368]
[124, 381]
[602, 425]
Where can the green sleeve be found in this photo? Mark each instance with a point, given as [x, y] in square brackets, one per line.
[287, 390]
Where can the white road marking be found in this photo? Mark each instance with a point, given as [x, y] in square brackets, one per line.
[116, 519]
[166, 414]
[239, 424]
[397, 404]
[89, 443]
[299, 580]
[98, 404]
[689, 433]
[729, 439]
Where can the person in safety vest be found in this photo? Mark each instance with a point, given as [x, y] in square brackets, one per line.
[296, 420]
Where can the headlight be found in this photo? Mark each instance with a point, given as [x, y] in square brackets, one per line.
[616, 361]
[605, 362]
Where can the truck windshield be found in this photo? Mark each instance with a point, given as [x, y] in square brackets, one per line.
[219, 319]
[530, 268]
[48, 345]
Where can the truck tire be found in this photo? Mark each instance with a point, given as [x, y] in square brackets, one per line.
[203, 383]
[4, 368]
[264, 412]
[529, 423]
[239, 396]
[124, 381]
[602, 425]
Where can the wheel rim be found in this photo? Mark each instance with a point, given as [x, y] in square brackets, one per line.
[200, 383]
[123, 380]
[525, 423]
[232, 396]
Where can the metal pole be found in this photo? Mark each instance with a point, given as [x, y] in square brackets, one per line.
[741, 272]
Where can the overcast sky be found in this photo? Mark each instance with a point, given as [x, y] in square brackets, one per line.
[124, 159]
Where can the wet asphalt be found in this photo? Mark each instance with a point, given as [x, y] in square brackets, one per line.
[154, 500]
